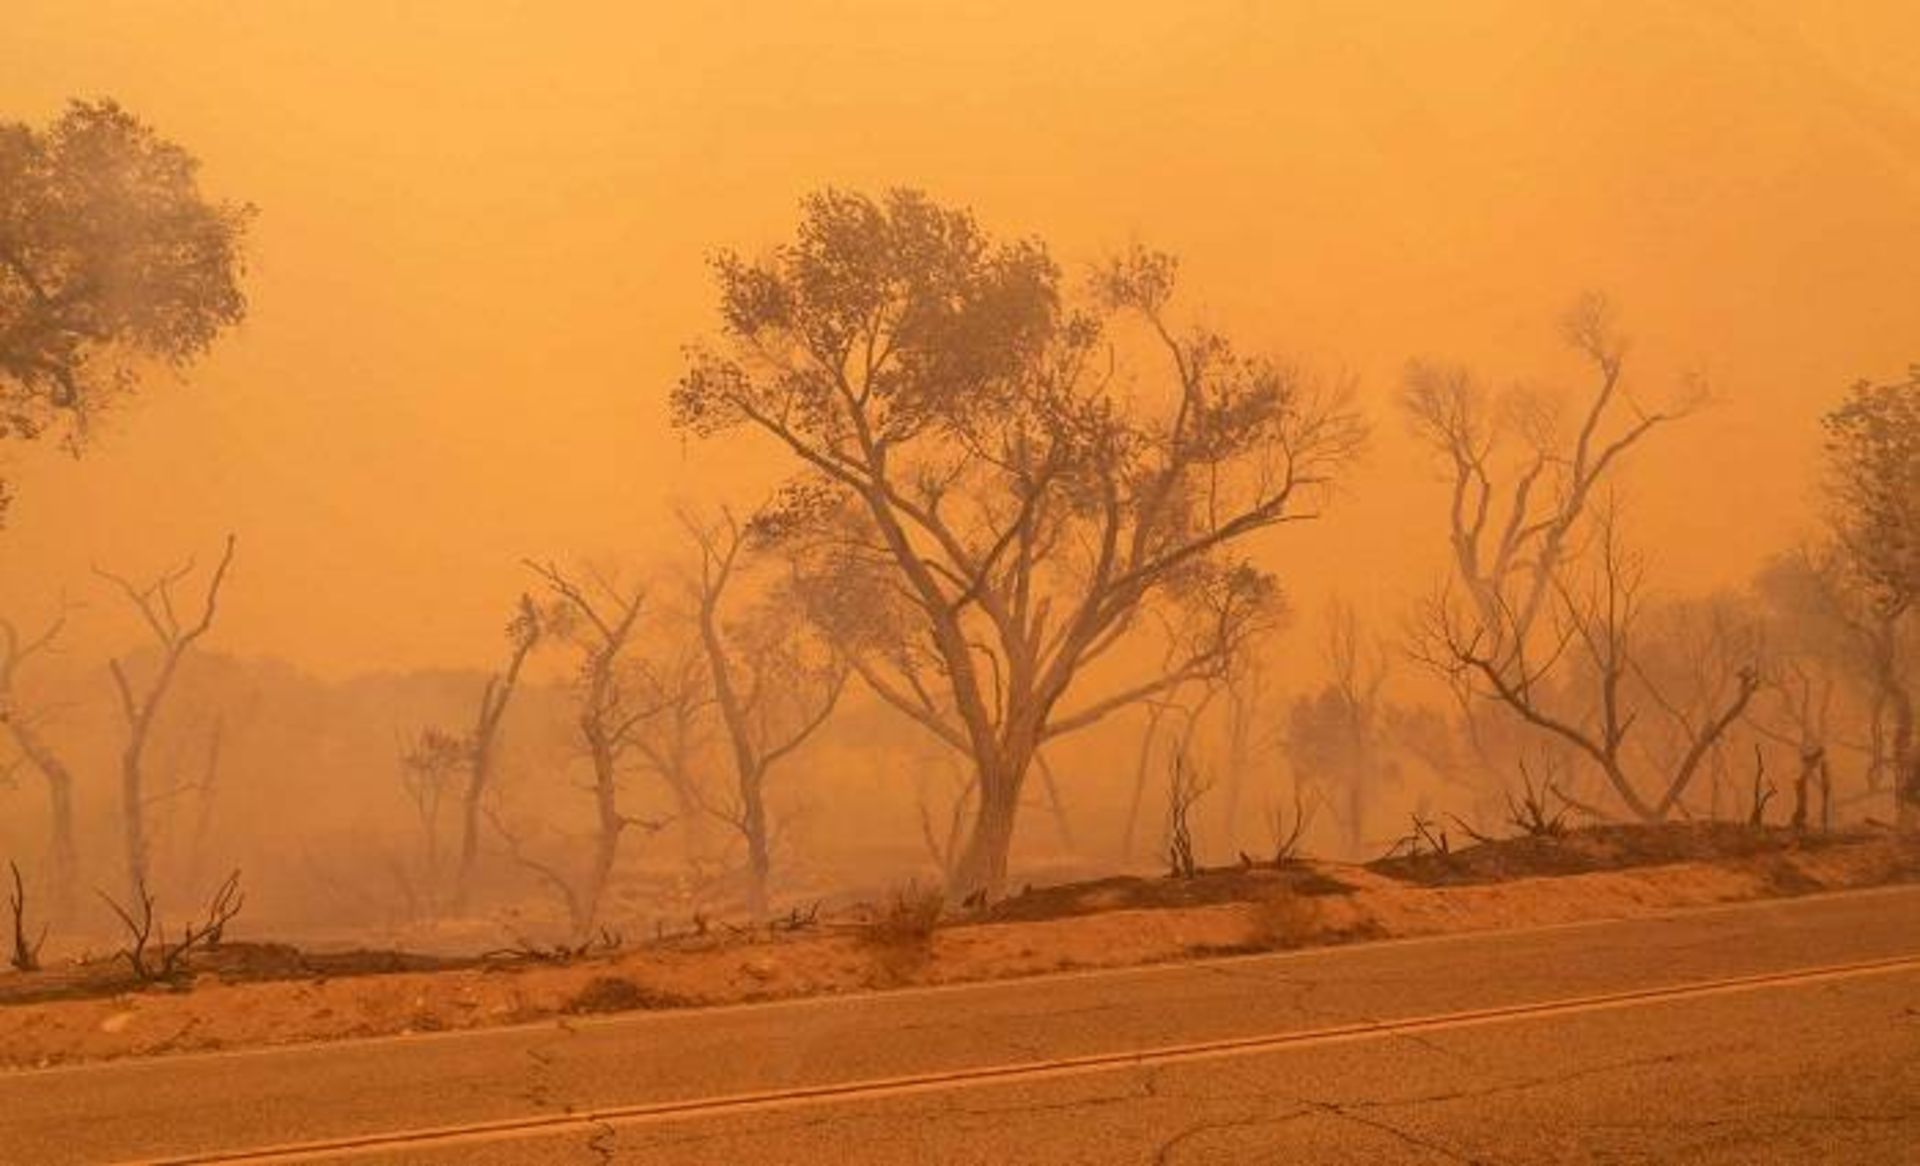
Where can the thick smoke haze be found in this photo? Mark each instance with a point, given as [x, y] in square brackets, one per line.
[483, 257]
[483, 235]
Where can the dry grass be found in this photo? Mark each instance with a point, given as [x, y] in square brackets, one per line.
[900, 936]
[1283, 921]
[619, 994]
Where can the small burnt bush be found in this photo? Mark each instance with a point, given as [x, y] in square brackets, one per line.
[618, 994]
[901, 933]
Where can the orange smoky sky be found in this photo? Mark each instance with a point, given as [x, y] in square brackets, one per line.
[483, 226]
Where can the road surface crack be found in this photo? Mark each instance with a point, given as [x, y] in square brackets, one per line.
[1163, 1155]
[1407, 1136]
[539, 1089]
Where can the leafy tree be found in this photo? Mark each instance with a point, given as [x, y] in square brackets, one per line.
[999, 491]
[1873, 453]
[110, 259]
[1873, 460]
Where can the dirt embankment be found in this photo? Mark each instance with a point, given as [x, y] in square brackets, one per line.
[254, 994]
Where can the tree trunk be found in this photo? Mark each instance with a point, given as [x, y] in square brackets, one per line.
[1356, 814]
[753, 823]
[1906, 763]
[133, 816]
[1142, 764]
[63, 852]
[692, 818]
[469, 839]
[983, 863]
[1059, 807]
[606, 847]
[65, 862]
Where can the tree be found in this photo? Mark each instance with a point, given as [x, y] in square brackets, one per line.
[1538, 618]
[674, 682]
[109, 257]
[430, 764]
[1827, 633]
[971, 471]
[774, 685]
[523, 632]
[1873, 462]
[1337, 735]
[1514, 515]
[598, 620]
[22, 725]
[1587, 685]
[141, 706]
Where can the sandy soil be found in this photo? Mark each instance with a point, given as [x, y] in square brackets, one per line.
[261, 994]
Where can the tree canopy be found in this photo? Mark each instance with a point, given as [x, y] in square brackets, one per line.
[1873, 455]
[110, 258]
[1001, 488]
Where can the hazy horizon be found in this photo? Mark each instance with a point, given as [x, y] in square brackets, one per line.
[482, 237]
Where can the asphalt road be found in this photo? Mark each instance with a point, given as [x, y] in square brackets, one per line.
[1780, 1032]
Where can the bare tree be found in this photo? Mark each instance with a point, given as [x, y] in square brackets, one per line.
[430, 764]
[1147, 748]
[675, 682]
[1517, 617]
[1841, 672]
[1512, 519]
[26, 952]
[1338, 736]
[1183, 708]
[963, 449]
[774, 683]
[1286, 835]
[598, 618]
[523, 632]
[23, 727]
[1585, 686]
[1187, 784]
[1249, 731]
[1525, 471]
[140, 707]
[1171, 720]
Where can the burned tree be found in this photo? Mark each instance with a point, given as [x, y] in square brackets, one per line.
[774, 683]
[1582, 682]
[26, 952]
[967, 460]
[1842, 670]
[1337, 736]
[675, 683]
[1520, 490]
[155, 961]
[597, 619]
[1537, 622]
[1187, 784]
[430, 764]
[523, 632]
[23, 727]
[1171, 718]
[140, 704]
[110, 256]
